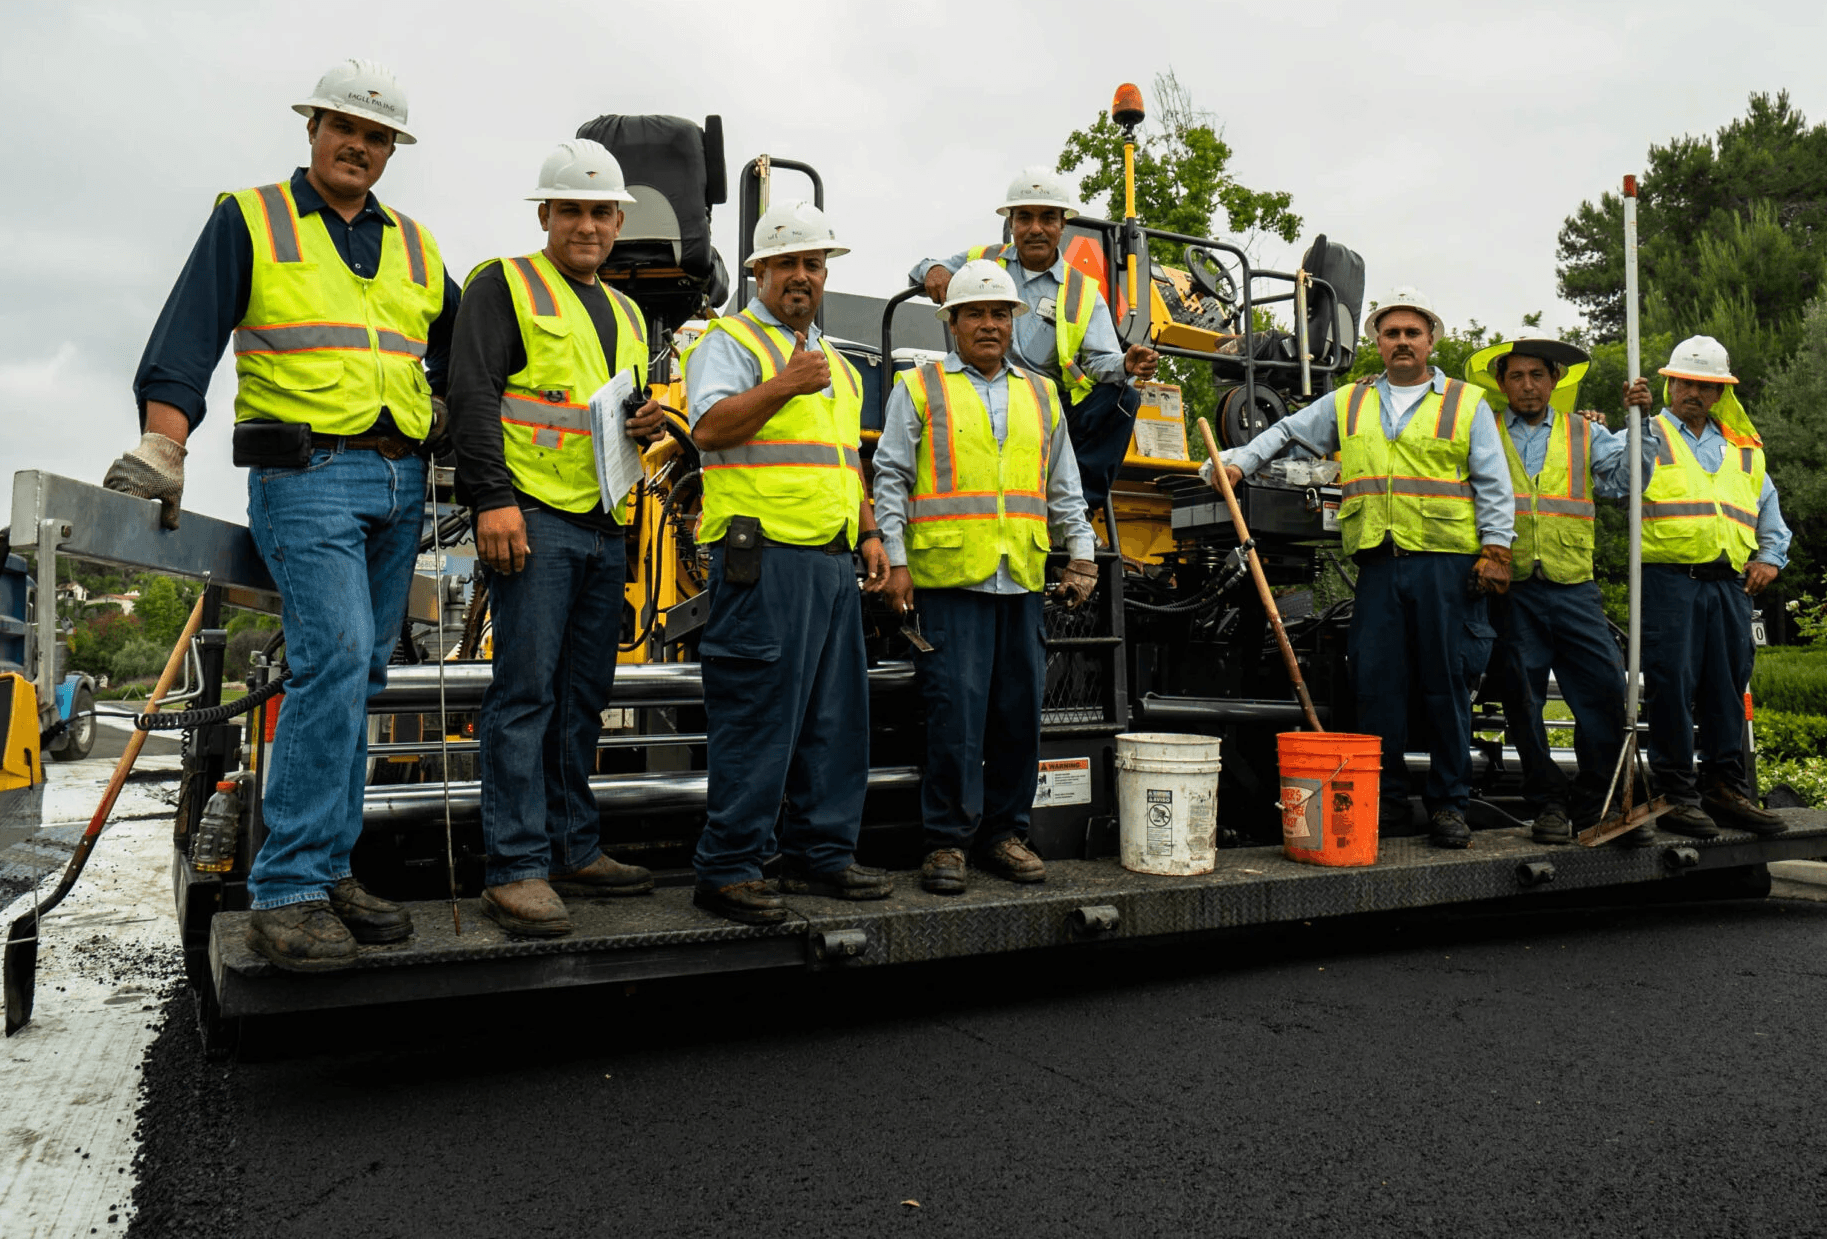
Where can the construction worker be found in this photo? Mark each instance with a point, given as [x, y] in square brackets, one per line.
[1553, 617]
[1713, 539]
[534, 340]
[1069, 337]
[973, 469]
[341, 313]
[776, 412]
[1428, 515]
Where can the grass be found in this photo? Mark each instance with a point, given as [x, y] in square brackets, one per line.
[1791, 678]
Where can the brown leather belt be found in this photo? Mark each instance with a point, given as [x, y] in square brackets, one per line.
[393, 447]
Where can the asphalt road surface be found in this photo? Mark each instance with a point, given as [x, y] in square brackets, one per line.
[1648, 1071]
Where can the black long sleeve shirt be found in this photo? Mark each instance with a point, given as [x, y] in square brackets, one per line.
[211, 294]
[485, 349]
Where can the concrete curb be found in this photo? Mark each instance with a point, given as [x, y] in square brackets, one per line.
[1807, 872]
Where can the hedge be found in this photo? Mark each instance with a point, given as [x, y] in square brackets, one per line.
[1790, 679]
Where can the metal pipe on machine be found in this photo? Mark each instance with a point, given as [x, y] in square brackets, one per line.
[414, 690]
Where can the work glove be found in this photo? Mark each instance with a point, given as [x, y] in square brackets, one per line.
[1077, 582]
[153, 470]
[438, 437]
[1491, 574]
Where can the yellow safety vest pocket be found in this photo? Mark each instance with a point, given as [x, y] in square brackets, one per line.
[1445, 518]
[932, 535]
[307, 373]
[1042, 539]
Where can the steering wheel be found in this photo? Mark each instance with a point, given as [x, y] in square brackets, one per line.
[1211, 277]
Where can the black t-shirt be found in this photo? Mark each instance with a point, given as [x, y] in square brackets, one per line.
[484, 350]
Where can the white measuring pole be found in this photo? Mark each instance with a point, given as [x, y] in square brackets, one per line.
[1634, 362]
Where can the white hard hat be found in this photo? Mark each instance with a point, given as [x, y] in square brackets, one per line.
[794, 228]
[1038, 186]
[1407, 298]
[1701, 358]
[361, 88]
[981, 280]
[583, 171]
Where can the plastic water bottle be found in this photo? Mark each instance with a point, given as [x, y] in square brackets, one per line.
[213, 851]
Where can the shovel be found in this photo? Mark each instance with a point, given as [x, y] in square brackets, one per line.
[19, 961]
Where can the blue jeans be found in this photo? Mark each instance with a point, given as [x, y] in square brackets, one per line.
[557, 622]
[1413, 623]
[982, 682]
[1697, 652]
[1100, 427]
[339, 536]
[786, 700]
[1542, 625]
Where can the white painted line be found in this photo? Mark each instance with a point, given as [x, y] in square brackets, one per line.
[72, 1075]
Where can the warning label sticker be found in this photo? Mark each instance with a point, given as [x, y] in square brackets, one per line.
[1160, 822]
[1066, 780]
[1329, 515]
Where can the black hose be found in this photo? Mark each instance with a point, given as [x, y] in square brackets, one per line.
[189, 720]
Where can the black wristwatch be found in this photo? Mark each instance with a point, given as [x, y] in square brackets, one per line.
[866, 536]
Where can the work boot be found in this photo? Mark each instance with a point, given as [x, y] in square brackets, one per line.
[374, 921]
[752, 903]
[301, 937]
[603, 876]
[1690, 820]
[529, 908]
[1552, 825]
[1447, 829]
[853, 882]
[942, 872]
[1012, 859]
[1731, 806]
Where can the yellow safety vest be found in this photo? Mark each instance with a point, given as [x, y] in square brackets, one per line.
[1691, 516]
[319, 343]
[1414, 488]
[1078, 298]
[1554, 509]
[972, 502]
[545, 408]
[802, 473]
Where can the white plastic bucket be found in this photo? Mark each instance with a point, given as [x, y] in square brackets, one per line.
[1167, 802]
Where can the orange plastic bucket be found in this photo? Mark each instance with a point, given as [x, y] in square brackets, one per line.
[1329, 786]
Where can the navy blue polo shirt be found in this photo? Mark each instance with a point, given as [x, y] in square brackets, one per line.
[210, 298]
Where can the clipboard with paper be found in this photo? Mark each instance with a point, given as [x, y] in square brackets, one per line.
[618, 460]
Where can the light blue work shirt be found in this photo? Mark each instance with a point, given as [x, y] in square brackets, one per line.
[1709, 447]
[1487, 468]
[1036, 343]
[1610, 453]
[897, 458]
[719, 367]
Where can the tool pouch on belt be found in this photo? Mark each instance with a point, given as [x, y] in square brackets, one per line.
[275, 445]
[742, 550]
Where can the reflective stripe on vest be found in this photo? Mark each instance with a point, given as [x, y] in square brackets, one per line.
[318, 343]
[1412, 488]
[545, 411]
[1071, 317]
[974, 503]
[802, 472]
[1554, 510]
[1691, 516]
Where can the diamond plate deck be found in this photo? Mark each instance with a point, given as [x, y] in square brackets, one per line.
[664, 935]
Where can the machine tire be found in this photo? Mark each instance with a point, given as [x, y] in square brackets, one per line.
[79, 739]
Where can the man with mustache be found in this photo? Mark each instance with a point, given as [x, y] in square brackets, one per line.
[1553, 617]
[1067, 337]
[341, 313]
[776, 412]
[537, 336]
[973, 469]
[1713, 539]
[1428, 515]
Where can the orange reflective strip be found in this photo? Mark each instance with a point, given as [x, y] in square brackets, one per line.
[545, 305]
[281, 226]
[415, 251]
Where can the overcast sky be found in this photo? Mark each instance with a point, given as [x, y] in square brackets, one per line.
[1443, 142]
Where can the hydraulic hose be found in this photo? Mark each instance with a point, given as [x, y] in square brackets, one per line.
[189, 720]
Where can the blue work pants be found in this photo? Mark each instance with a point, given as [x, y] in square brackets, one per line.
[982, 683]
[557, 622]
[1414, 624]
[1100, 427]
[1541, 626]
[339, 537]
[1697, 656]
[786, 700]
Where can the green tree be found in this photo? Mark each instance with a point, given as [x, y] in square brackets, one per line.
[97, 639]
[1182, 183]
[163, 609]
[1792, 418]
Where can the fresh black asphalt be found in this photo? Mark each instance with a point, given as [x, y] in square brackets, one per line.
[1649, 1071]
